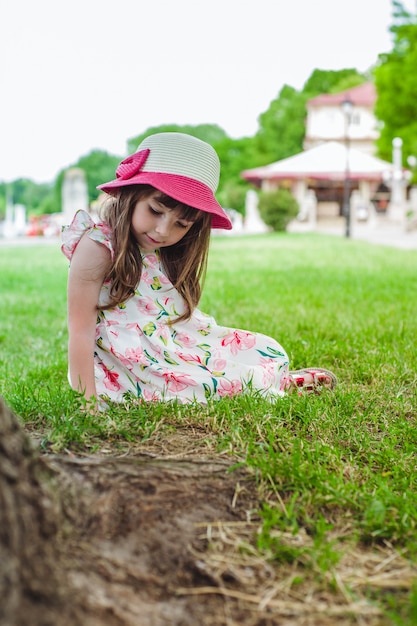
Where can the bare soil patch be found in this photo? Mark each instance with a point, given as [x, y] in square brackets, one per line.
[137, 524]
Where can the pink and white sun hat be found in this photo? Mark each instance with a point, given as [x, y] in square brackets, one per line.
[179, 165]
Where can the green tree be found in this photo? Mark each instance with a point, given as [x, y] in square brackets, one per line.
[99, 167]
[396, 85]
[211, 133]
[281, 127]
[332, 81]
[235, 156]
[30, 194]
[3, 195]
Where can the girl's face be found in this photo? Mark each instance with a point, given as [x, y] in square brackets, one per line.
[155, 225]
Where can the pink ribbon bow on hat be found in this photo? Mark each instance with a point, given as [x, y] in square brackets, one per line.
[132, 164]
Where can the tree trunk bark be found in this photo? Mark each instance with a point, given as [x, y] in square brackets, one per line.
[31, 580]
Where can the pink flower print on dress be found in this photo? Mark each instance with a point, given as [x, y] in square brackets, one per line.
[137, 355]
[118, 311]
[285, 380]
[269, 370]
[150, 396]
[110, 380]
[154, 281]
[219, 364]
[163, 332]
[189, 358]
[229, 387]
[176, 382]
[146, 278]
[135, 326]
[105, 229]
[203, 327]
[120, 358]
[151, 261]
[147, 305]
[218, 367]
[169, 306]
[239, 340]
[185, 340]
[131, 356]
[112, 331]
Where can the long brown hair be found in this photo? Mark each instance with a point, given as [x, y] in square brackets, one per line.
[184, 263]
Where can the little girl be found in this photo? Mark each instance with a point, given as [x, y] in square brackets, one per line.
[135, 282]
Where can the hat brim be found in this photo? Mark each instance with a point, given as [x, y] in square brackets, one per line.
[185, 190]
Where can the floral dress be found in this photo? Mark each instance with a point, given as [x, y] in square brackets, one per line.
[137, 353]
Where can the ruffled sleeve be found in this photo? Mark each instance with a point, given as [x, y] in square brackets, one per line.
[83, 223]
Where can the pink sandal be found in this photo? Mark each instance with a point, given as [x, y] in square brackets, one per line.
[321, 379]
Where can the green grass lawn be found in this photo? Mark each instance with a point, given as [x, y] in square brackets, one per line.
[340, 467]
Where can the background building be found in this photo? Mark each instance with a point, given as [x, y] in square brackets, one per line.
[326, 119]
[338, 177]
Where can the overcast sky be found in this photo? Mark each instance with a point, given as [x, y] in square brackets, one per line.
[89, 74]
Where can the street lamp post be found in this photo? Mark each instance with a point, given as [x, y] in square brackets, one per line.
[347, 108]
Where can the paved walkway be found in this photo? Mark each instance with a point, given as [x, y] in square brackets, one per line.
[395, 237]
[384, 235]
[381, 234]
[29, 241]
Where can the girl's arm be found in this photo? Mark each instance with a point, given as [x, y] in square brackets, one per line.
[89, 266]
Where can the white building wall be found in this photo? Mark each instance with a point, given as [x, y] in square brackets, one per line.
[328, 123]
